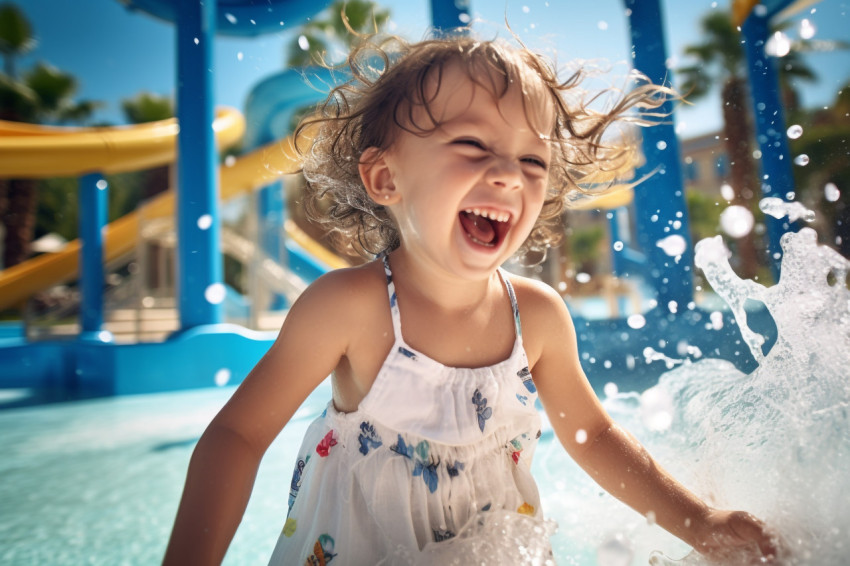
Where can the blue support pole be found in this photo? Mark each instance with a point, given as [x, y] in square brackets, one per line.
[92, 201]
[271, 206]
[777, 179]
[199, 263]
[660, 208]
[448, 15]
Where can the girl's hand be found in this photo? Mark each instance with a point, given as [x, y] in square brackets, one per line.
[737, 537]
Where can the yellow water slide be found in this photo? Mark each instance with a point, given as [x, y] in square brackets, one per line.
[32, 151]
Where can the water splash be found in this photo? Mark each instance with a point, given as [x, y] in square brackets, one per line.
[779, 208]
[776, 442]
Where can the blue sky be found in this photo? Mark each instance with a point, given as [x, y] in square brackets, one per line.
[116, 53]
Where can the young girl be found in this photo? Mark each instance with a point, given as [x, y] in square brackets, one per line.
[448, 159]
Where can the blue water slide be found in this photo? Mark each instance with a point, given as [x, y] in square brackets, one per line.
[245, 18]
[269, 115]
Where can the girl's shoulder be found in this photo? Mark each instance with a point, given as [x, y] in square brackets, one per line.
[350, 291]
[543, 314]
[533, 296]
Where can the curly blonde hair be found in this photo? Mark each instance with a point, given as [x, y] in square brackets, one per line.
[388, 82]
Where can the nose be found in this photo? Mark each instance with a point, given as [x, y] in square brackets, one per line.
[504, 174]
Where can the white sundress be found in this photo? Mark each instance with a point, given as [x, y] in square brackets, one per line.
[433, 464]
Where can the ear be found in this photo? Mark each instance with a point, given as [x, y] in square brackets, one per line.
[377, 177]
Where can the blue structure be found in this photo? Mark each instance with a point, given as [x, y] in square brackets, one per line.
[775, 162]
[205, 351]
[92, 204]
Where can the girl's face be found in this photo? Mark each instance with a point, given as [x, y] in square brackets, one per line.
[467, 195]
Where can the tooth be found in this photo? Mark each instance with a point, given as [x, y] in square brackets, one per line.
[476, 211]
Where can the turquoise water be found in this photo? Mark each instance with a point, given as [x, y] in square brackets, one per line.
[98, 482]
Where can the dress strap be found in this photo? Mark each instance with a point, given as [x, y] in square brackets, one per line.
[393, 299]
[504, 275]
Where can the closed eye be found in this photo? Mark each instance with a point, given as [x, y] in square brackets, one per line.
[470, 142]
[536, 161]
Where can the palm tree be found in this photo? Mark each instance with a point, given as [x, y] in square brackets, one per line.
[44, 93]
[720, 58]
[317, 36]
[16, 36]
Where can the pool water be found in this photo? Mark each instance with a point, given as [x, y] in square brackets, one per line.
[98, 481]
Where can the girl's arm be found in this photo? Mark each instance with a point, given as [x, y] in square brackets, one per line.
[612, 457]
[225, 461]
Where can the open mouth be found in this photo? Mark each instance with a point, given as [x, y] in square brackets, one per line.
[484, 227]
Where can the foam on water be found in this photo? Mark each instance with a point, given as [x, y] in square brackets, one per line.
[776, 442]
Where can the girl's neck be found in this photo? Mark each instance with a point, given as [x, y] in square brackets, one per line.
[421, 280]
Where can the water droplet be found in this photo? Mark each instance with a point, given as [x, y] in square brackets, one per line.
[215, 293]
[760, 10]
[464, 18]
[778, 208]
[205, 221]
[727, 192]
[240, 56]
[736, 221]
[831, 192]
[581, 436]
[303, 43]
[230, 161]
[231, 18]
[673, 245]
[602, 25]
[716, 319]
[610, 389]
[562, 287]
[101, 184]
[525, 9]
[802, 160]
[794, 131]
[197, 41]
[807, 29]
[618, 246]
[673, 307]
[222, 377]
[636, 321]
[583, 277]
[662, 145]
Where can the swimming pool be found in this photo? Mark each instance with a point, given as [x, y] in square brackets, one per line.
[98, 481]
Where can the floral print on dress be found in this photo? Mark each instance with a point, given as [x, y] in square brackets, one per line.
[407, 353]
[515, 448]
[455, 469]
[368, 437]
[526, 509]
[295, 484]
[325, 445]
[525, 376]
[484, 412]
[322, 551]
[423, 466]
